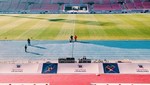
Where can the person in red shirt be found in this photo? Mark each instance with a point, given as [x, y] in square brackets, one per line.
[75, 38]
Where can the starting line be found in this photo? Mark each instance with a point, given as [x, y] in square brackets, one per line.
[116, 84]
[24, 84]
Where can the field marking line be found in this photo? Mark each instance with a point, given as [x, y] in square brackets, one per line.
[12, 25]
[67, 28]
[40, 24]
[91, 28]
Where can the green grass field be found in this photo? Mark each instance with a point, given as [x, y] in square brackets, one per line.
[87, 27]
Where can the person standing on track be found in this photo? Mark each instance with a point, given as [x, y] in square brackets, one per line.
[29, 42]
[75, 38]
[25, 47]
[71, 38]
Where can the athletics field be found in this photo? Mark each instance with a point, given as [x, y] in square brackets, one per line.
[86, 27]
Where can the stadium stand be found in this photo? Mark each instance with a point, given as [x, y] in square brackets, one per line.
[76, 1]
[57, 6]
[106, 1]
[146, 4]
[13, 5]
[138, 4]
[116, 7]
[95, 1]
[130, 6]
[102, 7]
[69, 65]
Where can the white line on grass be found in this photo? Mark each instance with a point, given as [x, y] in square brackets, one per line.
[95, 28]
[67, 28]
[36, 29]
[127, 24]
[12, 25]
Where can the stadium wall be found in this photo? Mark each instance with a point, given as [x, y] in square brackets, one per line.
[134, 68]
[20, 68]
[76, 68]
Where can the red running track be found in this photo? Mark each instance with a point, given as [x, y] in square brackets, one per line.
[70, 79]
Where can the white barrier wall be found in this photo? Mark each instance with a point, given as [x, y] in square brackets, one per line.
[134, 68]
[101, 69]
[20, 68]
[78, 68]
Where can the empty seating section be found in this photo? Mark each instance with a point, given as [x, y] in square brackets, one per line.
[35, 7]
[61, 1]
[34, 1]
[23, 1]
[138, 4]
[95, 1]
[114, 1]
[137, 0]
[55, 1]
[76, 1]
[66, 1]
[102, 7]
[5, 5]
[116, 7]
[46, 2]
[106, 1]
[22, 6]
[146, 4]
[1, 5]
[47, 6]
[14, 5]
[130, 6]
[128, 1]
[50, 7]
[18, 5]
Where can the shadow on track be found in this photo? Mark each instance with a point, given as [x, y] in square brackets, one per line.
[34, 53]
[38, 47]
[82, 42]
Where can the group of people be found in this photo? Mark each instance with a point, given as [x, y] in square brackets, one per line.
[73, 38]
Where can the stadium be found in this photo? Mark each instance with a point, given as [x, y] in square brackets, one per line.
[74, 42]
